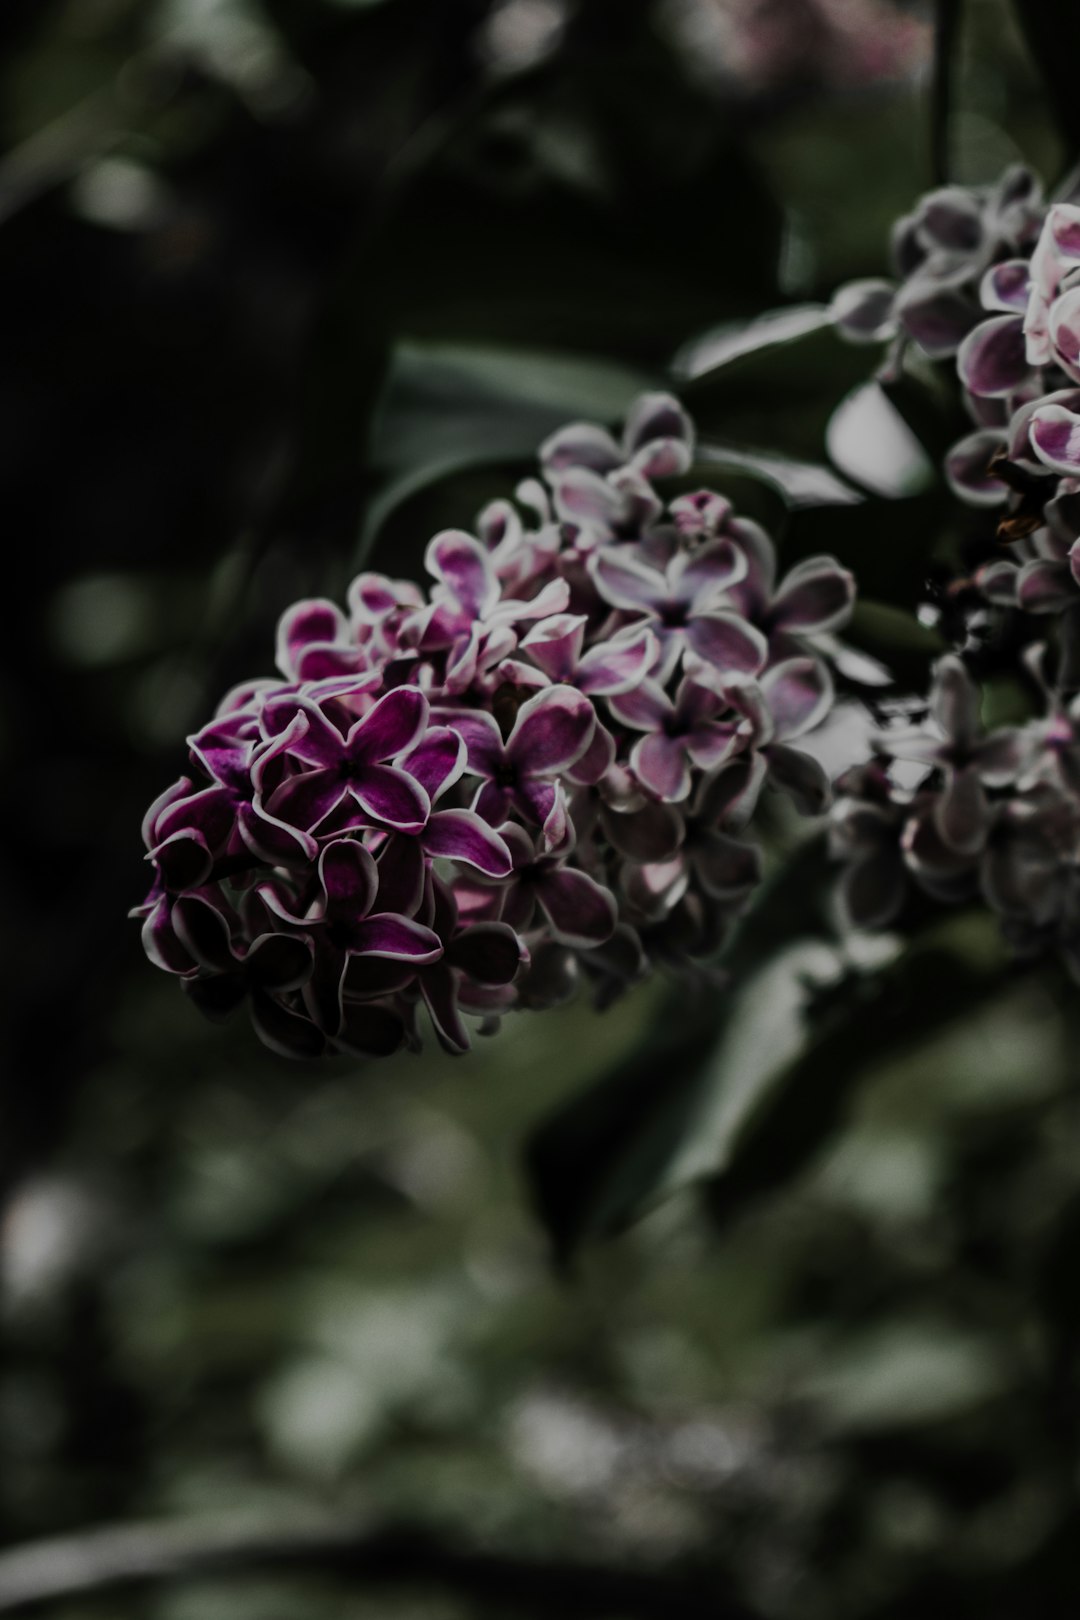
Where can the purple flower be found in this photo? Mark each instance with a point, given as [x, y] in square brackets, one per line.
[552, 731]
[561, 737]
[436, 764]
[352, 765]
[347, 929]
[813, 597]
[682, 605]
[697, 727]
[968, 760]
[579, 911]
[865, 831]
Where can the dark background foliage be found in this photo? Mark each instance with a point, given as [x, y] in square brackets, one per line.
[763, 1304]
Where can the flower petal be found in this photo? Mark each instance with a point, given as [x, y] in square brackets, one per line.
[349, 879]
[1065, 331]
[392, 797]
[552, 730]
[967, 468]
[643, 707]
[279, 961]
[317, 620]
[397, 721]
[816, 595]
[728, 643]
[369, 1030]
[385, 934]
[204, 932]
[1054, 433]
[799, 693]
[285, 1032]
[962, 815]
[490, 953]
[992, 360]
[322, 993]
[661, 765]
[727, 867]
[484, 752]
[652, 833]
[580, 444]
[938, 318]
[863, 311]
[271, 840]
[437, 760]
[306, 800]
[801, 777]
[1007, 286]
[463, 566]
[954, 700]
[1045, 585]
[402, 873]
[439, 988]
[160, 941]
[617, 665]
[462, 835]
[555, 644]
[656, 416]
[579, 910]
[626, 582]
[183, 860]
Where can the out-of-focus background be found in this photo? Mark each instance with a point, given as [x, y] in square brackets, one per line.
[289, 281]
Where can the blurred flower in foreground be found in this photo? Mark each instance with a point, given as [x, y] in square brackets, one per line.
[543, 766]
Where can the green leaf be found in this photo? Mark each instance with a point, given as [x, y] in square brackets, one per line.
[774, 381]
[599, 1162]
[870, 442]
[594, 1166]
[452, 408]
[897, 640]
[941, 977]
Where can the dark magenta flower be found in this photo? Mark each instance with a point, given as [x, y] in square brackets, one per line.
[345, 926]
[353, 765]
[682, 605]
[461, 801]
[551, 732]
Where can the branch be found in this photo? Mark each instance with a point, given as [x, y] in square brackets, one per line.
[97, 1560]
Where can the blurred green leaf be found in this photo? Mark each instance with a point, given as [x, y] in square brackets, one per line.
[897, 640]
[870, 442]
[476, 402]
[904, 1374]
[940, 977]
[770, 390]
[448, 408]
[600, 1161]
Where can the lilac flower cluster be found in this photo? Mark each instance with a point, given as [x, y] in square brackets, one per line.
[991, 284]
[996, 816]
[539, 769]
[940, 256]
